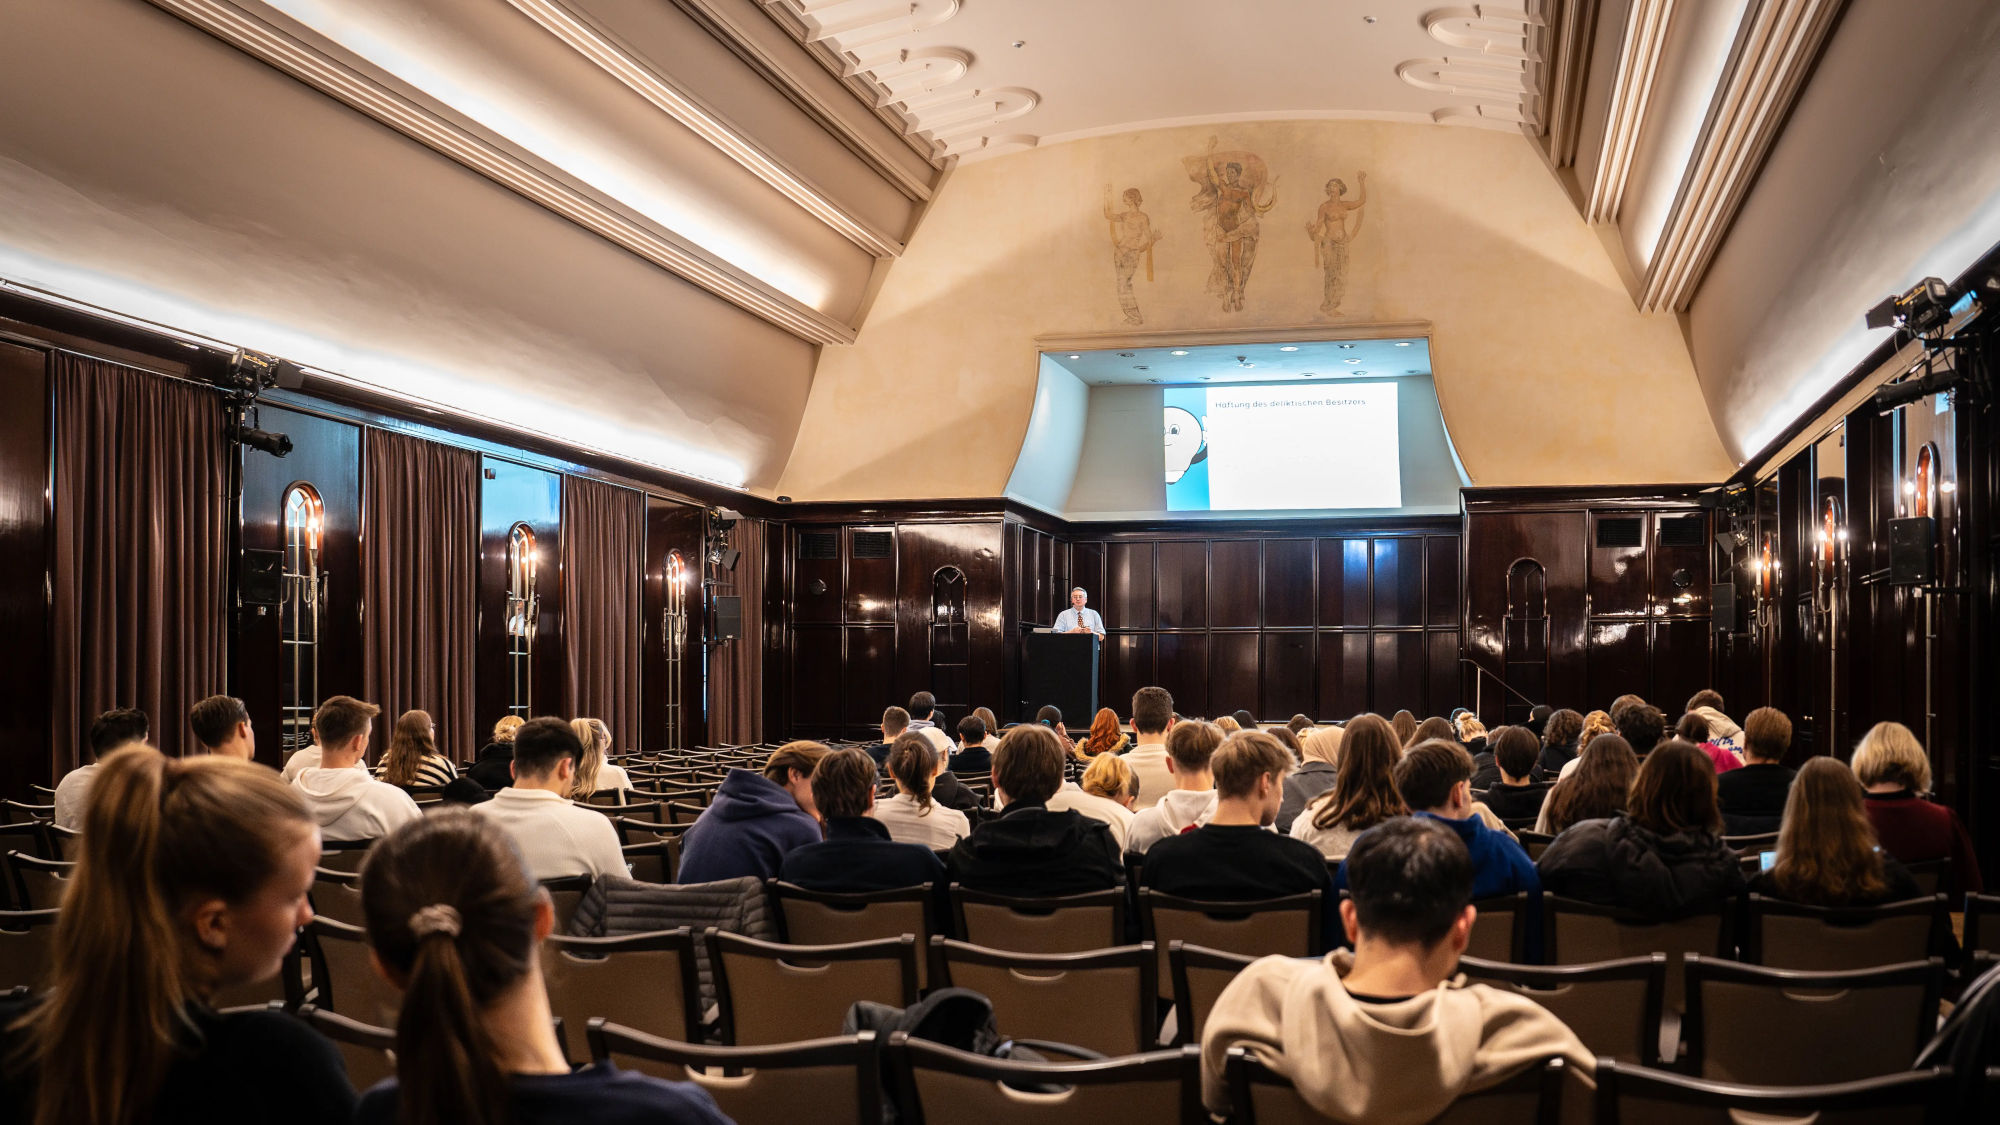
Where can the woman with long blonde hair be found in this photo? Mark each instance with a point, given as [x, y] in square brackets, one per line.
[1827, 853]
[413, 760]
[593, 773]
[191, 880]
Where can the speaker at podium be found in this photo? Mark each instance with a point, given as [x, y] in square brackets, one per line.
[1060, 669]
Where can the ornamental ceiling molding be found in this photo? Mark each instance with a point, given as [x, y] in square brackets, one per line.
[622, 62]
[1495, 61]
[296, 52]
[1639, 49]
[1772, 57]
[922, 90]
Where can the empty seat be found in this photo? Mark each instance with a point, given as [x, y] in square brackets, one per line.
[1581, 933]
[564, 894]
[1788, 1027]
[830, 1081]
[1933, 876]
[369, 1052]
[1787, 935]
[337, 895]
[38, 883]
[1262, 1096]
[1199, 976]
[1630, 1095]
[1982, 924]
[344, 855]
[772, 993]
[943, 1086]
[655, 862]
[807, 917]
[1286, 927]
[1613, 1006]
[26, 940]
[1500, 931]
[645, 982]
[1060, 924]
[343, 979]
[1104, 1000]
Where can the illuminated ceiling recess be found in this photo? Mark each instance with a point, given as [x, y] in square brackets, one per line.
[926, 90]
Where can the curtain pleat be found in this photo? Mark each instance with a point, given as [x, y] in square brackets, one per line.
[737, 669]
[141, 541]
[603, 561]
[419, 565]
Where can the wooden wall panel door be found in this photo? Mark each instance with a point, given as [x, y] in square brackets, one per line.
[1183, 584]
[1128, 598]
[1183, 664]
[512, 494]
[868, 677]
[1343, 675]
[24, 553]
[1441, 585]
[868, 594]
[1288, 678]
[1127, 667]
[1344, 583]
[1235, 575]
[1619, 581]
[1398, 673]
[1620, 661]
[1233, 677]
[1682, 552]
[973, 548]
[1495, 540]
[1444, 687]
[1399, 582]
[1290, 583]
[814, 554]
[816, 693]
[326, 456]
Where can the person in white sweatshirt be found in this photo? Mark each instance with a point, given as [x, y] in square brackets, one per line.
[1388, 1034]
[1152, 717]
[557, 838]
[1190, 745]
[349, 803]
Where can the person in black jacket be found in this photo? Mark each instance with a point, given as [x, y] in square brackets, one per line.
[1753, 797]
[1512, 790]
[494, 768]
[1029, 851]
[1662, 858]
[857, 854]
[895, 721]
[975, 752]
[1559, 741]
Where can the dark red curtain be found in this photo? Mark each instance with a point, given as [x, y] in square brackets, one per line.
[603, 562]
[736, 684]
[141, 541]
[419, 583]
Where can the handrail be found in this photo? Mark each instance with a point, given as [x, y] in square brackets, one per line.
[1487, 672]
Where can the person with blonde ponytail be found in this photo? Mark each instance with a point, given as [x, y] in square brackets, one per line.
[455, 921]
[593, 773]
[192, 879]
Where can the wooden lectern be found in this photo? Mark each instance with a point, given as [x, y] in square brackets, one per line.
[1060, 668]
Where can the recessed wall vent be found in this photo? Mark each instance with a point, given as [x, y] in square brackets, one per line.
[819, 546]
[1682, 531]
[1622, 531]
[874, 544]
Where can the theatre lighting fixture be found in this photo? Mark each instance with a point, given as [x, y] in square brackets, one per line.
[277, 445]
[1921, 310]
[1893, 396]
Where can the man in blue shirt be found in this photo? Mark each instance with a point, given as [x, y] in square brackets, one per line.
[1077, 619]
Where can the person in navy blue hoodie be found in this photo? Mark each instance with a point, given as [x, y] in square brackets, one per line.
[1435, 779]
[857, 854]
[756, 819]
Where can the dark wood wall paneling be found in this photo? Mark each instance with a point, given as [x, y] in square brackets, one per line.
[24, 556]
[326, 455]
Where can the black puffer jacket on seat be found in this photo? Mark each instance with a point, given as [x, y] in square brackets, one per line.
[1615, 862]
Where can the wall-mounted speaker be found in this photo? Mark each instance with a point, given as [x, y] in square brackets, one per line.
[728, 618]
[1912, 551]
[1722, 606]
[260, 579]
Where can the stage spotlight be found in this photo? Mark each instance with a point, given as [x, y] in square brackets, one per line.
[277, 445]
[1921, 310]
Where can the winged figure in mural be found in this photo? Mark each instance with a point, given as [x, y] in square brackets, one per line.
[1232, 189]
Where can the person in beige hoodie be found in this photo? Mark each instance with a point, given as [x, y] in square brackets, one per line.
[1389, 1034]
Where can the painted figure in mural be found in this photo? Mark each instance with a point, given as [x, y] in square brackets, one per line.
[1132, 237]
[1227, 187]
[1331, 232]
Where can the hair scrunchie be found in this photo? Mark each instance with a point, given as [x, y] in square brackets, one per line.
[436, 919]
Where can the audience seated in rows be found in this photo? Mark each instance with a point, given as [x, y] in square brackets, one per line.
[1299, 725]
[557, 839]
[1753, 796]
[1050, 716]
[1892, 764]
[312, 757]
[895, 720]
[593, 773]
[1433, 728]
[412, 760]
[456, 920]
[1513, 792]
[1559, 741]
[1827, 852]
[1721, 730]
[1106, 792]
[1639, 723]
[1289, 741]
[192, 879]
[1594, 724]
[113, 729]
[1106, 736]
[221, 725]
[1434, 779]
[974, 753]
[913, 815]
[755, 819]
[1190, 745]
[1663, 858]
[859, 853]
[1472, 735]
[1319, 759]
[1234, 857]
[1594, 786]
[348, 802]
[1152, 715]
[492, 768]
[1388, 1032]
[923, 712]
[1693, 730]
[1405, 726]
[1364, 790]
[1031, 850]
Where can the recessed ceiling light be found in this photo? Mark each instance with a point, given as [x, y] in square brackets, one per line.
[1179, 352]
[1308, 374]
[1152, 380]
[1402, 343]
[1364, 19]
[1126, 355]
[1206, 378]
[1361, 373]
[1023, 42]
[1348, 347]
[1076, 357]
[1140, 367]
[1350, 361]
[1104, 382]
[1289, 348]
[1412, 371]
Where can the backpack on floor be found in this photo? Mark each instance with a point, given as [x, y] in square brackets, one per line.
[954, 1017]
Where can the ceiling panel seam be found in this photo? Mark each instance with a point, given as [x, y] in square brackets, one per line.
[1638, 64]
[290, 52]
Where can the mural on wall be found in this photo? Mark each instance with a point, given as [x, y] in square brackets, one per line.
[1132, 236]
[1331, 231]
[1232, 188]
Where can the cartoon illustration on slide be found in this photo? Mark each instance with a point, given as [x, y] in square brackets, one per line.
[1186, 443]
